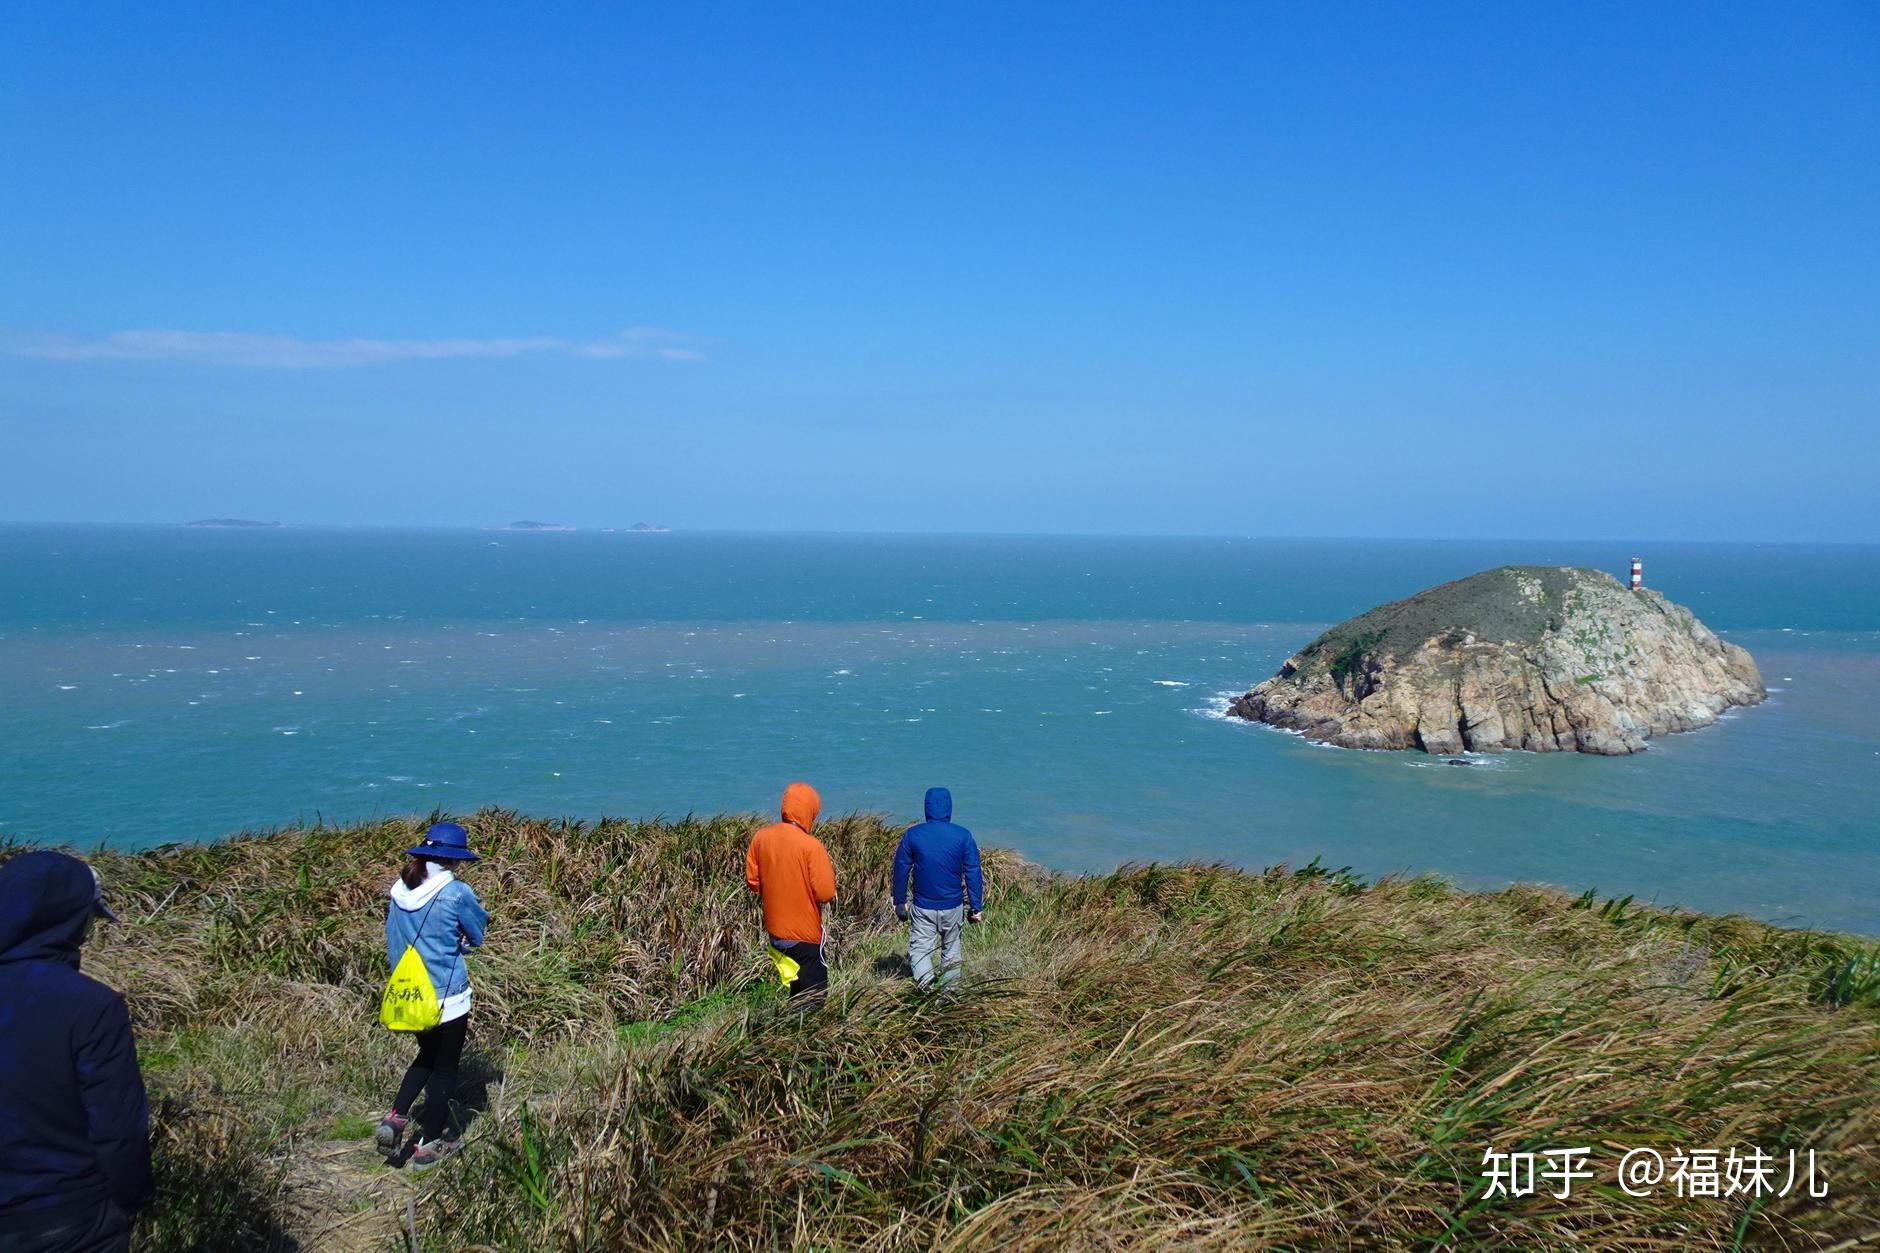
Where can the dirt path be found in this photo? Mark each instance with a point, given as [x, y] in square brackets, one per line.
[337, 1196]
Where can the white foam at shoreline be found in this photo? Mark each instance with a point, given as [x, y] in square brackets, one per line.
[1477, 761]
[1216, 708]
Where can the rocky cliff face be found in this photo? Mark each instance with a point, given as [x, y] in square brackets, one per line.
[1541, 658]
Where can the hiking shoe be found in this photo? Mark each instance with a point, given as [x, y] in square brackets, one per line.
[391, 1133]
[431, 1152]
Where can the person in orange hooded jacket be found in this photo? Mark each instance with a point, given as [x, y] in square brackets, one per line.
[790, 871]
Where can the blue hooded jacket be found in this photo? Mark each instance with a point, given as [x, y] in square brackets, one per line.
[941, 856]
[74, 1123]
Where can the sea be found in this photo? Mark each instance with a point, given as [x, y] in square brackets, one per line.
[164, 684]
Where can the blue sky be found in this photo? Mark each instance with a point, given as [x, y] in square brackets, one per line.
[1573, 270]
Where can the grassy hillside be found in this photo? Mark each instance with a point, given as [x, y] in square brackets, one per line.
[1166, 1055]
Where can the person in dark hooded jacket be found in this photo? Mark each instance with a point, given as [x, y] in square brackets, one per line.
[74, 1123]
[944, 862]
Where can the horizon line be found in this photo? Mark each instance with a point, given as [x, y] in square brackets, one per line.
[559, 528]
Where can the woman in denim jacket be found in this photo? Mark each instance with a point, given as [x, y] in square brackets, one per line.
[438, 914]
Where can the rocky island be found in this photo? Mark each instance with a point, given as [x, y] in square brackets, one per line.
[1542, 658]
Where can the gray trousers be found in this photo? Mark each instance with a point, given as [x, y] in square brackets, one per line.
[935, 929]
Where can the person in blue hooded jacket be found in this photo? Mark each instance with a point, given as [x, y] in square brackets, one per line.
[943, 861]
[74, 1123]
[439, 914]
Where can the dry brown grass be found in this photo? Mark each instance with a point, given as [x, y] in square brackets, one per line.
[1168, 1055]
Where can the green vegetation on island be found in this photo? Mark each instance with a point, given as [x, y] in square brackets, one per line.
[1513, 604]
[1167, 1055]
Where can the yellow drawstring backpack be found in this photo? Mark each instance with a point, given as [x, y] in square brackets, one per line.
[410, 1002]
[787, 967]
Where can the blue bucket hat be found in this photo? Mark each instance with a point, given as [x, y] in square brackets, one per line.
[445, 841]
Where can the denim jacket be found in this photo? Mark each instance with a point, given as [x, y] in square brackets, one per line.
[442, 917]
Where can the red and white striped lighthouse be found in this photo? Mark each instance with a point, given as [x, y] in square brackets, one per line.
[1638, 573]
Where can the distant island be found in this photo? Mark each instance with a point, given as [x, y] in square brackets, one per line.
[1541, 658]
[529, 524]
[230, 522]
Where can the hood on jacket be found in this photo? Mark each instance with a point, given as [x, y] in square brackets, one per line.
[939, 805]
[47, 900]
[417, 898]
[801, 805]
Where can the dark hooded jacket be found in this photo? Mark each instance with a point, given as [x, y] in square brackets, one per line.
[74, 1125]
[942, 856]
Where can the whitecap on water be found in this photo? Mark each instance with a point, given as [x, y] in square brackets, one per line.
[1169, 683]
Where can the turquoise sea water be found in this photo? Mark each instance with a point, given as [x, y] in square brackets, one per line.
[172, 683]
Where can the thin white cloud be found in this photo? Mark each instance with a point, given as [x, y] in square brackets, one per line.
[291, 352]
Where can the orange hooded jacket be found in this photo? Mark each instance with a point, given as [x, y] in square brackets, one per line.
[790, 869]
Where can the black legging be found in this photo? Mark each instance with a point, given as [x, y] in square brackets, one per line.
[434, 1074]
